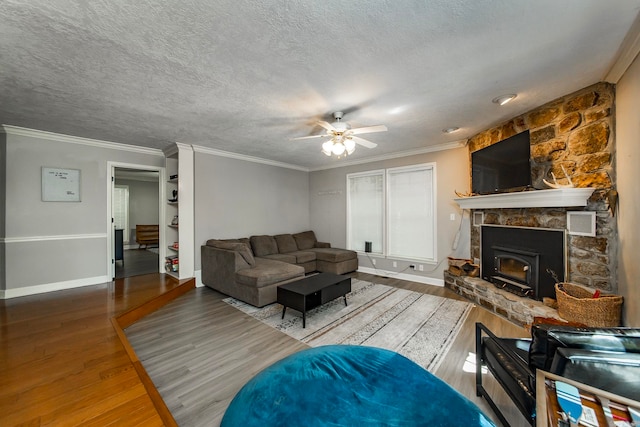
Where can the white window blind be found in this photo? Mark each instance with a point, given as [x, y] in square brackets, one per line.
[394, 209]
[365, 207]
[410, 212]
[121, 209]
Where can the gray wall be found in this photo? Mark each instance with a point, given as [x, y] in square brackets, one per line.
[143, 204]
[328, 202]
[3, 205]
[628, 175]
[58, 242]
[236, 198]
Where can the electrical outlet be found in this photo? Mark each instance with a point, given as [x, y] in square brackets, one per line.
[373, 261]
[452, 217]
[421, 267]
[395, 264]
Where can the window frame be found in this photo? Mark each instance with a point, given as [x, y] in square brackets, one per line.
[377, 172]
[385, 244]
[127, 232]
[433, 203]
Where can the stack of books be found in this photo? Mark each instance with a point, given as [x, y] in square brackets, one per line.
[171, 264]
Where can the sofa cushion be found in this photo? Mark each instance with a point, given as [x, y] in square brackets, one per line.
[303, 256]
[334, 254]
[290, 258]
[242, 248]
[267, 272]
[305, 240]
[244, 240]
[286, 243]
[263, 245]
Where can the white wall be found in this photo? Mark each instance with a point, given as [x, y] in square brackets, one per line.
[328, 206]
[628, 176]
[57, 245]
[237, 198]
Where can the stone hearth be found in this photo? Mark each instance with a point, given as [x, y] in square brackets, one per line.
[516, 309]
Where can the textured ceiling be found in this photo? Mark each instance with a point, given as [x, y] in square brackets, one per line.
[245, 76]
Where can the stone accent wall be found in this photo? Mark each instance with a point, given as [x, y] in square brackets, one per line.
[574, 132]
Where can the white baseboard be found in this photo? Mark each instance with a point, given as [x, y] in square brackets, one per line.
[197, 274]
[403, 276]
[52, 287]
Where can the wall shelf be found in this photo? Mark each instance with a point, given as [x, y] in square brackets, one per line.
[180, 192]
[551, 198]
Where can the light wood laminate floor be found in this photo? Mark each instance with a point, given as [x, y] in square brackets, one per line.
[209, 350]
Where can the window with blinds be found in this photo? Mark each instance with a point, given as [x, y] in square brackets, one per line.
[365, 211]
[120, 205]
[394, 209]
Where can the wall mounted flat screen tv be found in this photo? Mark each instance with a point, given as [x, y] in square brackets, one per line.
[502, 167]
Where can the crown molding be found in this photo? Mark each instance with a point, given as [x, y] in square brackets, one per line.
[34, 133]
[430, 149]
[627, 53]
[228, 154]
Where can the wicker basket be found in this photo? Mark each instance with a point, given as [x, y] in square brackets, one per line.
[576, 304]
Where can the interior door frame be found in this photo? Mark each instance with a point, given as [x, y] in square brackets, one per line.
[111, 167]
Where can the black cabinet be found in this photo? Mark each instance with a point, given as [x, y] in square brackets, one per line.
[119, 249]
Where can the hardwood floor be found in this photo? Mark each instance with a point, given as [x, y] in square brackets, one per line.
[62, 363]
[136, 263]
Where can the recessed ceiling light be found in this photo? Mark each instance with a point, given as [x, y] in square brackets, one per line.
[503, 99]
[452, 129]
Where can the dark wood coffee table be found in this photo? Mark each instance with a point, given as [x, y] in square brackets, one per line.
[313, 291]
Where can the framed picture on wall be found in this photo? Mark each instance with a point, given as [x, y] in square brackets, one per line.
[60, 185]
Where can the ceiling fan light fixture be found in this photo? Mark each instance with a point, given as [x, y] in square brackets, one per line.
[338, 149]
[342, 137]
[350, 145]
[504, 99]
[327, 148]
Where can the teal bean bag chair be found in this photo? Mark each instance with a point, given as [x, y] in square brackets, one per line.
[344, 385]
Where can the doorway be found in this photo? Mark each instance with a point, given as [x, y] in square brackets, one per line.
[134, 210]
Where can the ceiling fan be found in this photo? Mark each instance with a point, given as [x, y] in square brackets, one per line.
[342, 137]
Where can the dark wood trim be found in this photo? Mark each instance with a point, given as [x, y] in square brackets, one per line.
[128, 318]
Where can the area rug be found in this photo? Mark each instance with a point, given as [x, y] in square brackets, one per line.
[420, 327]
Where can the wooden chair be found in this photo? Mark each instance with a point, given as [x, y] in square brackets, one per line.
[147, 234]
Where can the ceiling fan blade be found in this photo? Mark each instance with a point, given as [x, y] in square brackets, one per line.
[326, 125]
[308, 137]
[364, 142]
[368, 129]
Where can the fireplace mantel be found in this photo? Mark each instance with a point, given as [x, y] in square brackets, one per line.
[552, 198]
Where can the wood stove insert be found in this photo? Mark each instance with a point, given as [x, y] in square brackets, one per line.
[521, 259]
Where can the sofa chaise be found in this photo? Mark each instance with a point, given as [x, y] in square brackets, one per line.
[251, 269]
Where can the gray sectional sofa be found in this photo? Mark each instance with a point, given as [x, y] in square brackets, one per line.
[250, 269]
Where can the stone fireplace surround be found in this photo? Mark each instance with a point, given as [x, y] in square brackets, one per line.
[517, 309]
[572, 133]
